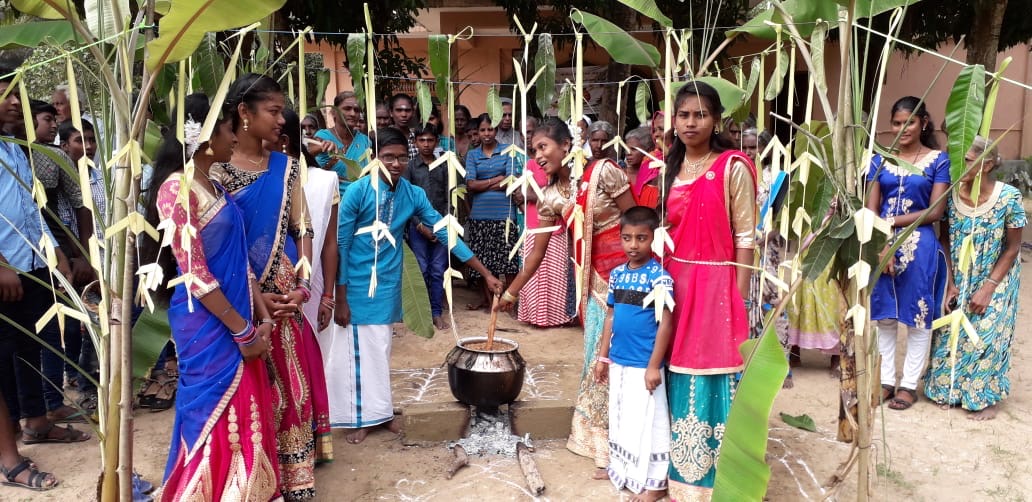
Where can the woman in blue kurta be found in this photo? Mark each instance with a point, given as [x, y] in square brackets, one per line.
[350, 143]
[492, 227]
[911, 289]
[368, 298]
[974, 374]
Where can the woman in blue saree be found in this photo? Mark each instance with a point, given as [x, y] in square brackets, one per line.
[267, 187]
[221, 440]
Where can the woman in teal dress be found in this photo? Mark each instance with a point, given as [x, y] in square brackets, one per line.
[349, 143]
[975, 376]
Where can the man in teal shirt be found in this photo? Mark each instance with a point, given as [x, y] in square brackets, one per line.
[359, 368]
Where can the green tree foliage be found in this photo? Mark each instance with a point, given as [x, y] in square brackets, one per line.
[331, 20]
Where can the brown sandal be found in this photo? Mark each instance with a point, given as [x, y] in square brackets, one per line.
[900, 404]
[887, 393]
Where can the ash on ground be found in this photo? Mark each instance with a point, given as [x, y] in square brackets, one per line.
[490, 433]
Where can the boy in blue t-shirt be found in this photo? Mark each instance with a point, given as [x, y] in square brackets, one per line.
[634, 345]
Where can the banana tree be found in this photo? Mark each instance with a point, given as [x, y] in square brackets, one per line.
[113, 33]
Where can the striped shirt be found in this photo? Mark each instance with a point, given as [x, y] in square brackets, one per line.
[493, 204]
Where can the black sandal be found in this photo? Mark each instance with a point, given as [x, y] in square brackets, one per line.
[901, 404]
[37, 479]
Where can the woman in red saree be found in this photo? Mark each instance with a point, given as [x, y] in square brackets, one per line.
[601, 198]
[267, 187]
[222, 439]
[711, 209]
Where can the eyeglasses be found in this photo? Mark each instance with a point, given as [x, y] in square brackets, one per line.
[389, 159]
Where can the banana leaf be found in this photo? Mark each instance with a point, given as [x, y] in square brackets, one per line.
[742, 470]
[415, 302]
[356, 49]
[964, 115]
[35, 33]
[545, 58]
[439, 51]
[150, 334]
[494, 106]
[188, 21]
[620, 45]
[649, 9]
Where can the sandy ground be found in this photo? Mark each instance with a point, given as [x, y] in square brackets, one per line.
[921, 454]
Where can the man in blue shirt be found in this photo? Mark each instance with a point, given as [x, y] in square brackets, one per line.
[358, 372]
[23, 301]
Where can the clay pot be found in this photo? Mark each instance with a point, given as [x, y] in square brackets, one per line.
[485, 379]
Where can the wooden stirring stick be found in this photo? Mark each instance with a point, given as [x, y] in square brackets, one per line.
[491, 327]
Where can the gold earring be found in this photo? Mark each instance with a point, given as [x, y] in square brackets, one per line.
[209, 152]
[246, 124]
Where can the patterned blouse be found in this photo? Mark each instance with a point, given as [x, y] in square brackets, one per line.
[611, 184]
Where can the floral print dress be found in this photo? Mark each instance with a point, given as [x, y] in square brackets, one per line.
[979, 377]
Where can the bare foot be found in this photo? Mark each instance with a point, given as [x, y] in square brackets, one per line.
[476, 306]
[944, 406]
[393, 426]
[357, 435]
[984, 414]
[600, 474]
[787, 384]
[835, 368]
[794, 358]
[440, 323]
[649, 496]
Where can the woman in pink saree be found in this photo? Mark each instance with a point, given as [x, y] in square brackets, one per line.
[267, 187]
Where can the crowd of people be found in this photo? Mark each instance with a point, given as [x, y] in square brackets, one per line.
[284, 330]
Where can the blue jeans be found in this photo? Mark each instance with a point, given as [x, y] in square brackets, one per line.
[433, 260]
[53, 365]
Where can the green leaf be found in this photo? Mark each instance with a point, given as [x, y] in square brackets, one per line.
[439, 51]
[870, 8]
[494, 106]
[544, 87]
[842, 227]
[641, 101]
[188, 20]
[150, 334]
[649, 9]
[750, 87]
[415, 302]
[43, 8]
[804, 421]
[964, 115]
[742, 470]
[820, 33]
[565, 108]
[731, 96]
[425, 101]
[820, 254]
[151, 141]
[35, 33]
[208, 66]
[990, 100]
[777, 80]
[804, 14]
[620, 45]
[356, 49]
[322, 81]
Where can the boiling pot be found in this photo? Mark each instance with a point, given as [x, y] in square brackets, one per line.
[483, 378]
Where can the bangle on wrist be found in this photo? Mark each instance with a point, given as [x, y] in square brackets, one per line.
[247, 336]
[992, 281]
[509, 297]
[604, 360]
[306, 293]
[265, 321]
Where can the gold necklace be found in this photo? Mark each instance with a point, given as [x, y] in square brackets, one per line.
[692, 168]
[257, 162]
